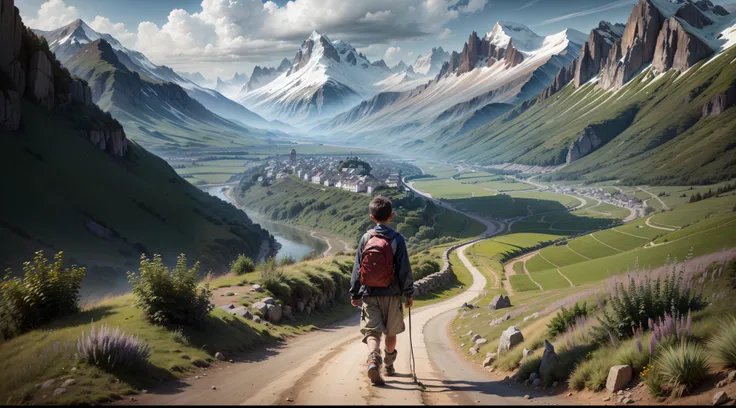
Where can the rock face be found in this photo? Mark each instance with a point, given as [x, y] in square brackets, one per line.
[509, 338]
[513, 56]
[41, 80]
[305, 52]
[564, 77]
[720, 398]
[481, 52]
[586, 143]
[549, 357]
[596, 50]
[618, 377]
[10, 109]
[499, 302]
[112, 141]
[676, 48]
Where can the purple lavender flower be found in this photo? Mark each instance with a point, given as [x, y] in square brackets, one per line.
[112, 349]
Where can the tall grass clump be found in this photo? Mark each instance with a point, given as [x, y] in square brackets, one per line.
[112, 349]
[682, 367]
[45, 292]
[565, 318]
[723, 342]
[632, 305]
[242, 265]
[170, 297]
[579, 333]
[271, 272]
[591, 373]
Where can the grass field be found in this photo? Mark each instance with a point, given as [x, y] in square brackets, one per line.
[561, 255]
[537, 263]
[451, 189]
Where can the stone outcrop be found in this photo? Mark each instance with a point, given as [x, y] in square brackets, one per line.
[596, 51]
[585, 144]
[549, 358]
[677, 48]
[40, 83]
[499, 302]
[9, 109]
[509, 338]
[480, 52]
[304, 53]
[694, 15]
[513, 56]
[564, 77]
[720, 102]
[618, 377]
[596, 135]
[110, 140]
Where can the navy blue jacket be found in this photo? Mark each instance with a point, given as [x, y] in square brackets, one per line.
[403, 283]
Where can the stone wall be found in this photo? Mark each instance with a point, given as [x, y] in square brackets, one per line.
[443, 278]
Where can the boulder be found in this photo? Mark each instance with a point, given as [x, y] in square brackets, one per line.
[475, 338]
[549, 357]
[533, 376]
[257, 319]
[507, 316]
[499, 302]
[299, 306]
[618, 377]
[731, 376]
[269, 301]
[536, 382]
[474, 350]
[720, 398]
[68, 383]
[274, 313]
[59, 391]
[220, 356]
[287, 311]
[490, 358]
[509, 338]
[481, 341]
[261, 307]
[526, 353]
[257, 288]
[47, 383]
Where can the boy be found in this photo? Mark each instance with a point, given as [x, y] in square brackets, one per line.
[381, 275]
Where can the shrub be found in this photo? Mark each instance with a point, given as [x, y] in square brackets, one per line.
[591, 374]
[170, 297]
[578, 333]
[653, 379]
[112, 349]
[632, 306]
[287, 260]
[529, 366]
[723, 343]
[242, 265]
[46, 291]
[682, 367]
[271, 272]
[565, 318]
[180, 337]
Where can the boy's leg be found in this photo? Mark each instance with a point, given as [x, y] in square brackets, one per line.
[390, 354]
[372, 326]
[394, 312]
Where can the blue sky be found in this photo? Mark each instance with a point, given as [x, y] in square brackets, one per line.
[221, 37]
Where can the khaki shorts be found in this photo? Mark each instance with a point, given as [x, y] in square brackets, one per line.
[382, 314]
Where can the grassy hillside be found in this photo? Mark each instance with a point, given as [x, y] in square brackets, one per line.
[55, 183]
[656, 132]
[343, 213]
[159, 116]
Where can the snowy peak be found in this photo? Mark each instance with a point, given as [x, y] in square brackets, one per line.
[400, 67]
[317, 46]
[523, 38]
[431, 63]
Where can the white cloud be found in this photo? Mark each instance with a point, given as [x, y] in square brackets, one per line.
[392, 56]
[53, 14]
[447, 33]
[473, 6]
[117, 30]
[527, 5]
[605, 7]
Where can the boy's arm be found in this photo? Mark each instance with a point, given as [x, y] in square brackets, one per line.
[355, 278]
[406, 281]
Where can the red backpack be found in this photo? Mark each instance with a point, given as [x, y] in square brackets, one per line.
[377, 261]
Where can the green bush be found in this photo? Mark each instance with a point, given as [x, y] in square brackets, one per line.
[565, 318]
[591, 374]
[653, 379]
[271, 272]
[723, 343]
[287, 260]
[242, 265]
[46, 291]
[631, 306]
[170, 297]
[682, 367]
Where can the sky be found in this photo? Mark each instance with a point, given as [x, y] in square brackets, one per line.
[222, 37]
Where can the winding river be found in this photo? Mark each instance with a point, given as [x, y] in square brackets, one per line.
[294, 242]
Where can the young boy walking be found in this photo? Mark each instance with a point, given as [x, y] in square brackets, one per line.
[381, 276]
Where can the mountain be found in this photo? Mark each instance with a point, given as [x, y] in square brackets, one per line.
[326, 77]
[506, 66]
[232, 86]
[400, 67]
[431, 63]
[263, 75]
[195, 77]
[66, 41]
[659, 110]
[79, 185]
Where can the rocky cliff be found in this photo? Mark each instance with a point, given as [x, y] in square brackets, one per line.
[596, 50]
[480, 52]
[29, 70]
[676, 48]
[720, 102]
[304, 54]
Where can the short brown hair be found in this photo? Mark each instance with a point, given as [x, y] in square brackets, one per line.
[380, 208]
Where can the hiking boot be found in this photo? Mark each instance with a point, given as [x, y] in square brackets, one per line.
[374, 368]
[389, 360]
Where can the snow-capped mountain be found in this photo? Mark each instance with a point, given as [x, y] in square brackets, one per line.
[431, 63]
[66, 41]
[195, 77]
[325, 78]
[263, 75]
[231, 87]
[508, 65]
[400, 67]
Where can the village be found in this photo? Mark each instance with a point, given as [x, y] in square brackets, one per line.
[347, 173]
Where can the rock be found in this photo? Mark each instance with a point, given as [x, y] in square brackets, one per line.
[48, 383]
[507, 316]
[606, 399]
[527, 396]
[731, 376]
[287, 311]
[509, 338]
[462, 345]
[308, 310]
[59, 391]
[257, 288]
[196, 377]
[549, 357]
[596, 50]
[274, 313]
[537, 382]
[213, 387]
[569, 394]
[481, 341]
[490, 358]
[526, 353]
[230, 305]
[499, 302]
[220, 356]
[229, 294]
[10, 109]
[474, 350]
[469, 333]
[261, 307]
[299, 307]
[40, 82]
[68, 383]
[628, 401]
[269, 301]
[618, 377]
[289, 399]
[676, 48]
[720, 398]
[533, 376]
[475, 338]
[257, 319]
[555, 384]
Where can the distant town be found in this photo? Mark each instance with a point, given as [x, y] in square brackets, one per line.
[347, 173]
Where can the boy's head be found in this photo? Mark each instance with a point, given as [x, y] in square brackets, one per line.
[380, 210]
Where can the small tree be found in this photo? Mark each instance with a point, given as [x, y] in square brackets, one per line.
[242, 265]
[170, 297]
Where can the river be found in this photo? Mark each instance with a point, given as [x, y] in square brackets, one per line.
[295, 243]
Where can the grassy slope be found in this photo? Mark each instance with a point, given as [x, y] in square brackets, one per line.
[658, 147]
[57, 181]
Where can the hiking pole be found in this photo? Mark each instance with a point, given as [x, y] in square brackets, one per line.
[412, 362]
